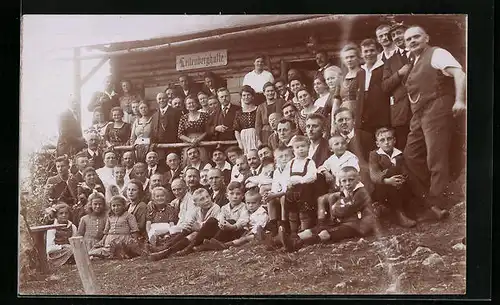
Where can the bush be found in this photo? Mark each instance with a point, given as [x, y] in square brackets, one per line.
[41, 166]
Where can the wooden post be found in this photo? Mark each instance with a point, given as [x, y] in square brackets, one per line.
[77, 81]
[40, 245]
[283, 71]
[83, 264]
[39, 235]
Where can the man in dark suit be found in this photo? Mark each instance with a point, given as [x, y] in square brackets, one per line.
[344, 123]
[81, 162]
[217, 187]
[70, 139]
[318, 150]
[93, 152]
[395, 70]
[153, 166]
[174, 171]
[106, 99]
[373, 103]
[223, 118]
[211, 83]
[186, 86]
[164, 124]
[57, 188]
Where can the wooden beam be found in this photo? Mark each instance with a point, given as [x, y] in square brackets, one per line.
[94, 70]
[178, 145]
[320, 21]
[77, 84]
[83, 264]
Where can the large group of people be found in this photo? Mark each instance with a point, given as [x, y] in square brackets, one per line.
[312, 162]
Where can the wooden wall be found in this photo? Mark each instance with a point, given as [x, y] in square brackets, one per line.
[154, 69]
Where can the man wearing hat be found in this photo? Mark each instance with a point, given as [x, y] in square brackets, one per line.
[396, 69]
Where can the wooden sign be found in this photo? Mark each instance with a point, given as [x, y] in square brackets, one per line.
[201, 60]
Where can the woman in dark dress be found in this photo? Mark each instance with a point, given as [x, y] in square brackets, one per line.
[306, 101]
[117, 132]
[193, 126]
[271, 105]
[349, 87]
[244, 122]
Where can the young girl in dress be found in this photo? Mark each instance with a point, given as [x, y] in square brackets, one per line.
[58, 247]
[137, 207]
[91, 226]
[244, 122]
[120, 232]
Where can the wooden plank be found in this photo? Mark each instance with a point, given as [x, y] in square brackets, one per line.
[46, 227]
[238, 65]
[83, 264]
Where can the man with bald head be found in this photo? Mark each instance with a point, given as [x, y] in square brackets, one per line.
[436, 89]
[164, 123]
[217, 187]
[174, 171]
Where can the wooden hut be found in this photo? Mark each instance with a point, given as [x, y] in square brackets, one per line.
[229, 53]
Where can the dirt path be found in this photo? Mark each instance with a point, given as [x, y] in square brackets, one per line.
[393, 263]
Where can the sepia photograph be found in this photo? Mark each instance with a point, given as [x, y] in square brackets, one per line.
[248, 155]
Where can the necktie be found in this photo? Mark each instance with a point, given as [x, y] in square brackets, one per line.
[150, 172]
[224, 110]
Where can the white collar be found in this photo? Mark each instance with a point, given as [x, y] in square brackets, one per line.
[377, 64]
[395, 152]
[67, 226]
[255, 72]
[226, 166]
[153, 168]
[359, 185]
[227, 107]
[93, 153]
[350, 135]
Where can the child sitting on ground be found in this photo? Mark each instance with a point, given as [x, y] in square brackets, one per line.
[161, 215]
[351, 215]
[120, 233]
[258, 219]
[91, 226]
[331, 169]
[228, 225]
[206, 212]
[387, 172]
[58, 248]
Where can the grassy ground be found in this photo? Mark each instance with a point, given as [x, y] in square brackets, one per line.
[374, 265]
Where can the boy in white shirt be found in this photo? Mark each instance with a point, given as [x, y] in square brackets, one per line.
[258, 219]
[282, 155]
[341, 158]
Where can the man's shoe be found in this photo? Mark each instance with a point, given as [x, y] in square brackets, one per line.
[216, 245]
[159, 255]
[439, 213]
[404, 221]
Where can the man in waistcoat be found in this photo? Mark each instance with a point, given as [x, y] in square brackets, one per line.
[436, 89]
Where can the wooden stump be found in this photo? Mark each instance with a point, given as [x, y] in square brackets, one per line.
[83, 264]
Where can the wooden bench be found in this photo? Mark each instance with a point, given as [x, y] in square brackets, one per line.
[39, 235]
